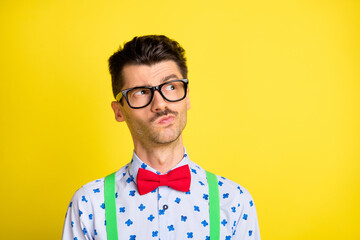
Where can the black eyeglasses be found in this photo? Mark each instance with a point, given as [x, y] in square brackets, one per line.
[139, 97]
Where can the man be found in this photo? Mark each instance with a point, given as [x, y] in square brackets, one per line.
[149, 80]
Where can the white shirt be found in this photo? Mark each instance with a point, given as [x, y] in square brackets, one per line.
[163, 213]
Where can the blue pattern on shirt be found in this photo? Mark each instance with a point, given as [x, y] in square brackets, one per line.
[186, 216]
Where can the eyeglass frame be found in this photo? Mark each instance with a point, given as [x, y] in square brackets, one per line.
[124, 92]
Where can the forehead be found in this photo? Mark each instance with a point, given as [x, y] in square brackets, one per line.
[150, 75]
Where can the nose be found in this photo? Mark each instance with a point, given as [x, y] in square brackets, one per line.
[158, 103]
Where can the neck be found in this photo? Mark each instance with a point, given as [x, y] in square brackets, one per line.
[161, 157]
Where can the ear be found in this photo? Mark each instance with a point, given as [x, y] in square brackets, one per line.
[118, 111]
[188, 99]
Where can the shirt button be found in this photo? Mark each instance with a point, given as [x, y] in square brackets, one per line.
[165, 207]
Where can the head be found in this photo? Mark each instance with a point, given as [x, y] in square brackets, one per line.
[150, 61]
[145, 50]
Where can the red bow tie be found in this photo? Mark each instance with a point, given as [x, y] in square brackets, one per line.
[178, 179]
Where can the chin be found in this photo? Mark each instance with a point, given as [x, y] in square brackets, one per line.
[165, 140]
[169, 138]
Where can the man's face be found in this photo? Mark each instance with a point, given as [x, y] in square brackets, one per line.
[161, 122]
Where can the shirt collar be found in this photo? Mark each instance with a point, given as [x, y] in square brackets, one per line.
[137, 163]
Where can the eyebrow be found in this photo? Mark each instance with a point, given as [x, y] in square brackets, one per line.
[169, 77]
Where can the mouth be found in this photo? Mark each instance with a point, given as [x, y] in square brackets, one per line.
[168, 119]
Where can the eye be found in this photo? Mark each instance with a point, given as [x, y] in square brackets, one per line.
[140, 92]
[170, 87]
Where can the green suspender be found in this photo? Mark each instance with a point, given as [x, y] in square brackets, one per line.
[214, 206]
[110, 206]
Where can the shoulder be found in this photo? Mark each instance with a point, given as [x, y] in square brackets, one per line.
[230, 192]
[233, 193]
[234, 198]
[94, 190]
[233, 186]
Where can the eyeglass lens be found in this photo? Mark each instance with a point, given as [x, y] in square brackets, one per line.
[172, 91]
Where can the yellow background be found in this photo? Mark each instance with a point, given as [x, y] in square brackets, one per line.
[274, 87]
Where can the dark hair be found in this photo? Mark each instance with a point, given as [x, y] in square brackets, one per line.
[147, 50]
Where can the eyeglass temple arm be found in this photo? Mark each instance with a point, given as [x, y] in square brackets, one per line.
[118, 96]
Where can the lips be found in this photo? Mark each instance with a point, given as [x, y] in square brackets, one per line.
[166, 119]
